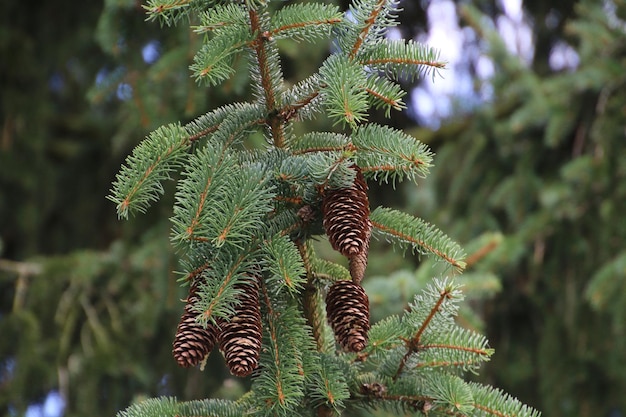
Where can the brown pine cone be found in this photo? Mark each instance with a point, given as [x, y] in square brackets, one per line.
[240, 339]
[346, 221]
[192, 342]
[347, 307]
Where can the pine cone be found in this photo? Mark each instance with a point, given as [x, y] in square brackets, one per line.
[192, 342]
[375, 390]
[346, 221]
[240, 339]
[347, 307]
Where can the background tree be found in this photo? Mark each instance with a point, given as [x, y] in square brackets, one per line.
[69, 301]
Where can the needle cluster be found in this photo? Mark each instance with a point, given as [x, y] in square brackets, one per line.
[244, 218]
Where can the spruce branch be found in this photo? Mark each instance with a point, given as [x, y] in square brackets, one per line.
[385, 335]
[318, 272]
[169, 11]
[437, 319]
[315, 314]
[386, 94]
[203, 185]
[367, 14]
[220, 285]
[319, 142]
[325, 270]
[193, 267]
[285, 266]
[331, 170]
[382, 152]
[444, 294]
[239, 218]
[492, 401]
[449, 393]
[306, 22]
[222, 18]
[399, 59]
[138, 183]
[390, 154]
[170, 407]
[459, 348]
[237, 125]
[214, 62]
[346, 101]
[286, 223]
[405, 230]
[279, 387]
[302, 100]
[330, 387]
[401, 403]
[230, 120]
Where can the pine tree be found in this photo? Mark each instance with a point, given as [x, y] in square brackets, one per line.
[254, 192]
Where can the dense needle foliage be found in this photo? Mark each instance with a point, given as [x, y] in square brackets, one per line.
[247, 210]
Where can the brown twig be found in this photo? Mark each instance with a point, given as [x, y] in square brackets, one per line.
[369, 23]
[413, 345]
[274, 123]
[481, 252]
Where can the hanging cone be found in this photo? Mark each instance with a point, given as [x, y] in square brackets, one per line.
[240, 339]
[192, 342]
[346, 221]
[347, 307]
[375, 389]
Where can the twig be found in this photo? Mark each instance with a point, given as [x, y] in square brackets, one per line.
[413, 344]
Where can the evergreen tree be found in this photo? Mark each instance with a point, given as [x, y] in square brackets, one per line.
[256, 188]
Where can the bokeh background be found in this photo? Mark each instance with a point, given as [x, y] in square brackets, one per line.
[528, 123]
